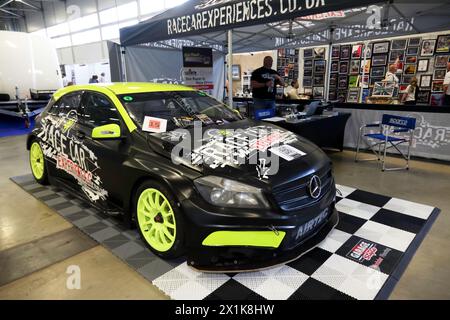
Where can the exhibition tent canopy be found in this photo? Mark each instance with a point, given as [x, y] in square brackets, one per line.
[269, 24]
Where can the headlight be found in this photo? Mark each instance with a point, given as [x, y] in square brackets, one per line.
[228, 193]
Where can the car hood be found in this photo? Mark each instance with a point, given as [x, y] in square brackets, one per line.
[206, 150]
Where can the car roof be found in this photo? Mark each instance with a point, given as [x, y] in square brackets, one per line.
[119, 88]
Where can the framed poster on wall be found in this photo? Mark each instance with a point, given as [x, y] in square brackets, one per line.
[425, 81]
[399, 44]
[345, 52]
[412, 51]
[439, 74]
[335, 52]
[318, 80]
[357, 51]
[318, 92]
[319, 53]
[355, 66]
[411, 59]
[319, 66]
[437, 86]
[334, 66]
[343, 82]
[380, 47]
[428, 46]
[423, 96]
[379, 60]
[378, 72]
[353, 95]
[422, 65]
[396, 54]
[307, 82]
[414, 42]
[410, 69]
[365, 68]
[308, 53]
[441, 61]
[343, 67]
[443, 44]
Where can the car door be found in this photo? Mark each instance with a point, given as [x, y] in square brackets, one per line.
[57, 137]
[105, 155]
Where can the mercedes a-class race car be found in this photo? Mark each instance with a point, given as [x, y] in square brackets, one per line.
[196, 178]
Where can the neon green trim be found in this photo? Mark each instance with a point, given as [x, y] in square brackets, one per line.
[37, 160]
[156, 220]
[111, 90]
[68, 125]
[107, 131]
[244, 238]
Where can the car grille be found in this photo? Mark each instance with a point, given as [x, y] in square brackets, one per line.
[295, 195]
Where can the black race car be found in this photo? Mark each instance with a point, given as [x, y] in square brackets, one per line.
[194, 176]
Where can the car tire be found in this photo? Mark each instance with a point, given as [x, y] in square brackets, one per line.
[38, 164]
[161, 226]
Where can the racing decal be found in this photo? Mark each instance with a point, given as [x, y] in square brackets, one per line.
[174, 136]
[236, 147]
[428, 135]
[71, 156]
[370, 254]
[262, 169]
[309, 226]
[287, 152]
[363, 251]
[156, 125]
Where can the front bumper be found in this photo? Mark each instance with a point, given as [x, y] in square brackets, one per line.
[297, 237]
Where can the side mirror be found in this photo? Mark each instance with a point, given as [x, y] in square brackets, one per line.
[108, 131]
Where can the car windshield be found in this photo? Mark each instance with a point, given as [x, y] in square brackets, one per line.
[180, 108]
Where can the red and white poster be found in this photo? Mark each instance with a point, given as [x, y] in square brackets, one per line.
[198, 68]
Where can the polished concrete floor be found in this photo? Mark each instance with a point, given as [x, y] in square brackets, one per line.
[26, 223]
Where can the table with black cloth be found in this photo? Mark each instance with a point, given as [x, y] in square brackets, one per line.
[247, 104]
[326, 131]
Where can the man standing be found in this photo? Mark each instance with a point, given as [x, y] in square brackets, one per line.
[263, 82]
[390, 75]
[447, 86]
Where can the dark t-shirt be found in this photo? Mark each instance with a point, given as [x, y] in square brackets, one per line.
[263, 75]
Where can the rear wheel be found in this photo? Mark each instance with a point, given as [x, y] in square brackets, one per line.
[37, 163]
[159, 220]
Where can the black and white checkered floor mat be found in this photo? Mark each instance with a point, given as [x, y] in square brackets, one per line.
[363, 258]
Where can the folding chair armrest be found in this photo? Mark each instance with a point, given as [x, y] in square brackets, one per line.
[372, 125]
[401, 130]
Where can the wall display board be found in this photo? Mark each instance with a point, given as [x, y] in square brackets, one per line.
[287, 64]
[314, 71]
[422, 58]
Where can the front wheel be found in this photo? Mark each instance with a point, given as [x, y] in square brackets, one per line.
[37, 163]
[159, 220]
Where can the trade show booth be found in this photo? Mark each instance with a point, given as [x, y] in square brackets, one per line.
[339, 52]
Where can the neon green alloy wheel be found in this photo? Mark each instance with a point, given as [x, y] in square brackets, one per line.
[37, 160]
[156, 220]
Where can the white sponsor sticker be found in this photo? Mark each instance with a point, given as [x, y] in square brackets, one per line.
[287, 152]
[152, 124]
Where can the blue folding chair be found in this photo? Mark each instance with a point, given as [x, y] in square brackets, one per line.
[394, 131]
